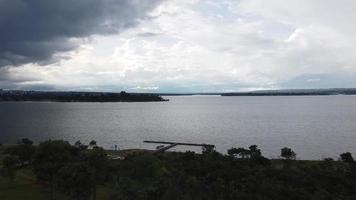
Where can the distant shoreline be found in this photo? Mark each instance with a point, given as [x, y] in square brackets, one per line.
[44, 96]
[111, 97]
[282, 92]
[130, 151]
[295, 92]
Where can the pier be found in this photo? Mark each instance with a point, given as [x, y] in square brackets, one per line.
[173, 144]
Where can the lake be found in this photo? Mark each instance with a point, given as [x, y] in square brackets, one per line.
[314, 127]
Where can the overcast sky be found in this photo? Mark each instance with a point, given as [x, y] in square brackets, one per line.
[177, 45]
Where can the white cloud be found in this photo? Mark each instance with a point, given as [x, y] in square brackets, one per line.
[216, 46]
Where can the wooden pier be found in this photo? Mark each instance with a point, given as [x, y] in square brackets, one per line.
[173, 144]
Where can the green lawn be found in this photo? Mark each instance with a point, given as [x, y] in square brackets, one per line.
[24, 187]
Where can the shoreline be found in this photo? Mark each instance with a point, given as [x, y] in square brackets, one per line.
[130, 151]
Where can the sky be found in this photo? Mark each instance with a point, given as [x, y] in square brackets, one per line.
[177, 45]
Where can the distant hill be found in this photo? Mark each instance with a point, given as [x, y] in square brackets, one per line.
[295, 92]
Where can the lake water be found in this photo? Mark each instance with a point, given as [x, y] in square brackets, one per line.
[314, 127]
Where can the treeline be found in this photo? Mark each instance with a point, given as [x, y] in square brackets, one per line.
[295, 92]
[78, 96]
[244, 173]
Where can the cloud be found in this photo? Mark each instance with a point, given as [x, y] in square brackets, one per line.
[311, 81]
[207, 46]
[38, 31]
[148, 34]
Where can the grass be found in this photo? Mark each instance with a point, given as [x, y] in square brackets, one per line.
[126, 152]
[2, 148]
[24, 187]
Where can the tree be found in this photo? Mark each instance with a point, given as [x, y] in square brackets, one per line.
[255, 151]
[233, 152]
[72, 179]
[92, 144]
[78, 144]
[288, 153]
[25, 141]
[347, 157]
[139, 177]
[243, 153]
[208, 149]
[50, 157]
[10, 163]
[24, 151]
[98, 164]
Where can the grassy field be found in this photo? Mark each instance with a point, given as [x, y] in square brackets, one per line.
[24, 187]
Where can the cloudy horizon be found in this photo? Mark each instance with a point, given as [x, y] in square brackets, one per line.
[177, 45]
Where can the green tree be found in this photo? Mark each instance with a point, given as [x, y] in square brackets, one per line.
[139, 176]
[24, 152]
[50, 157]
[98, 165]
[208, 149]
[79, 145]
[233, 152]
[243, 153]
[92, 144]
[255, 151]
[347, 157]
[72, 179]
[25, 141]
[10, 163]
[238, 152]
[288, 153]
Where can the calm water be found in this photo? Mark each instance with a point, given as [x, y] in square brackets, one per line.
[314, 126]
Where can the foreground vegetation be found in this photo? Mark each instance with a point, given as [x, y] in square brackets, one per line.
[59, 170]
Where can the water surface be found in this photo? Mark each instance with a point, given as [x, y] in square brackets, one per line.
[314, 126]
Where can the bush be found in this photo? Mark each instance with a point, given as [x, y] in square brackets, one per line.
[346, 157]
[24, 152]
[288, 153]
[74, 180]
[10, 164]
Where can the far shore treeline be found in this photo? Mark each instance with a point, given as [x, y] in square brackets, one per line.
[21, 95]
[71, 96]
[56, 169]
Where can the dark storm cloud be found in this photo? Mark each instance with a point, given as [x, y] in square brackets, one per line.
[9, 81]
[32, 31]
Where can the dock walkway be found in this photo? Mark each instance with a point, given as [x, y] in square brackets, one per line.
[173, 144]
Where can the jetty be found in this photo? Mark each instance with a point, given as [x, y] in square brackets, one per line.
[173, 144]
